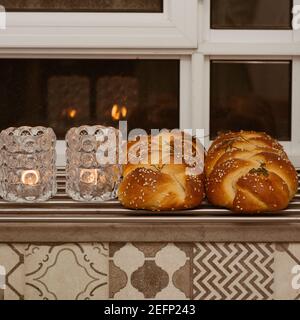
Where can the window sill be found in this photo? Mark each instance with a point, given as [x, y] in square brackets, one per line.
[64, 220]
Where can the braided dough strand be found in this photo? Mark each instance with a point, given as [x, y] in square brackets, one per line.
[249, 172]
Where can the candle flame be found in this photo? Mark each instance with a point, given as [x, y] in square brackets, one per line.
[124, 112]
[117, 113]
[89, 176]
[72, 113]
[30, 177]
[69, 113]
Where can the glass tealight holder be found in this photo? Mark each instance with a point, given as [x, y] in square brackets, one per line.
[27, 164]
[92, 171]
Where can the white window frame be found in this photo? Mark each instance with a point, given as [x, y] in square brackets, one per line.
[176, 27]
[243, 45]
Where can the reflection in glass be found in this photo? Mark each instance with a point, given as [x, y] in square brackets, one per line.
[251, 95]
[68, 93]
[251, 14]
[86, 5]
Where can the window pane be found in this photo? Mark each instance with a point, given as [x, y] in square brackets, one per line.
[66, 93]
[86, 5]
[251, 95]
[251, 14]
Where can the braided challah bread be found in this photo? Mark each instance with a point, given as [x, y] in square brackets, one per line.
[249, 172]
[155, 183]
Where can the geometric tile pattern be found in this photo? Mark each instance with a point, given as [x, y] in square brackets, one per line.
[66, 272]
[97, 271]
[12, 259]
[149, 271]
[232, 271]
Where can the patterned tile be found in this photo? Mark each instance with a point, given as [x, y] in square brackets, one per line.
[66, 272]
[150, 280]
[150, 271]
[117, 279]
[233, 271]
[287, 272]
[12, 259]
[114, 247]
[150, 251]
[182, 279]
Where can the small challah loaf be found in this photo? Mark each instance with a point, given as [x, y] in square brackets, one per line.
[158, 185]
[249, 172]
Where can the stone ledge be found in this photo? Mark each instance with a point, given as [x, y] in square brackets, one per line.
[22, 232]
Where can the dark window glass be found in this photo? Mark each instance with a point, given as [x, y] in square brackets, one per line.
[251, 95]
[66, 93]
[251, 14]
[84, 5]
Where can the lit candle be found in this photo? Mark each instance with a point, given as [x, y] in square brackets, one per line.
[30, 177]
[89, 176]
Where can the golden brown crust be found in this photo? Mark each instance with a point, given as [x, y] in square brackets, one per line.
[159, 186]
[249, 172]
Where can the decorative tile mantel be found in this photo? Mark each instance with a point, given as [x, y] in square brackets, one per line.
[200, 271]
[68, 250]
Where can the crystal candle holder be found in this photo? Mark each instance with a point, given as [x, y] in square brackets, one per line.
[88, 177]
[27, 164]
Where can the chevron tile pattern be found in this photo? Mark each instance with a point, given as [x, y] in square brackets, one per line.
[204, 271]
[233, 271]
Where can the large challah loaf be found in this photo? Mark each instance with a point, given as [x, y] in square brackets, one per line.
[156, 185]
[249, 172]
